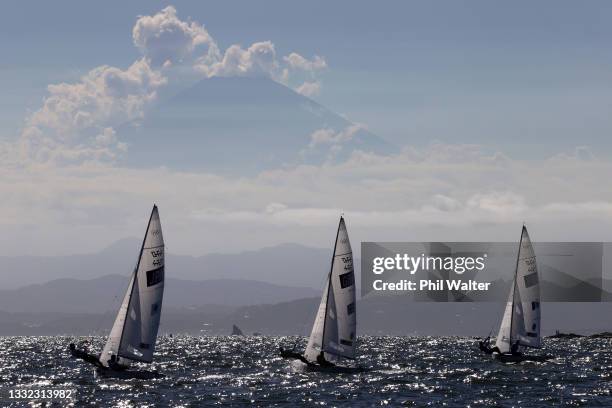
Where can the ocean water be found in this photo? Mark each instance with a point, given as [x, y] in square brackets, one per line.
[246, 371]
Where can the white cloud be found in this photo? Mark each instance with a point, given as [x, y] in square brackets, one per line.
[260, 60]
[296, 61]
[257, 60]
[165, 39]
[72, 116]
[66, 128]
[309, 89]
[107, 137]
[444, 203]
[460, 192]
[104, 93]
[502, 204]
[438, 188]
[330, 136]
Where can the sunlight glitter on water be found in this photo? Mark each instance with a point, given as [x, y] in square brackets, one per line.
[246, 371]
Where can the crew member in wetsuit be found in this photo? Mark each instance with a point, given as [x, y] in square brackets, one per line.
[484, 345]
[113, 364]
[292, 354]
[84, 355]
[323, 362]
[514, 350]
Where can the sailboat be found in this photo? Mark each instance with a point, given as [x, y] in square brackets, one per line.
[520, 326]
[334, 332]
[134, 333]
[236, 331]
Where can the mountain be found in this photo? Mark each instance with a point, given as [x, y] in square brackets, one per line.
[238, 125]
[308, 265]
[377, 316]
[183, 320]
[399, 316]
[105, 294]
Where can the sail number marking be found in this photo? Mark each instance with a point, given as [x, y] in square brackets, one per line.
[158, 256]
[348, 262]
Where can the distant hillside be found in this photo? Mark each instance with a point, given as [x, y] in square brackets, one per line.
[399, 316]
[308, 265]
[393, 316]
[209, 319]
[105, 293]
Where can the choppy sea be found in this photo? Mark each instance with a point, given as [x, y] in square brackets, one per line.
[247, 371]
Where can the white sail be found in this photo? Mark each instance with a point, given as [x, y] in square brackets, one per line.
[134, 332]
[528, 285]
[334, 329]
[316, 335]
[503, 336]
[521, 321]
[112, 343]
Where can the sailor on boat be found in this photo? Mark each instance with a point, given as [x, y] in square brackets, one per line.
[485, 345]
[113, 364]
[323, 362]
[84, 355]
[292, 355]
[514, 350]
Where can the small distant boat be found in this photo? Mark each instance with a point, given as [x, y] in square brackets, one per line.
[520, 326]
[334, 332]
[134, 333]
[236, 331]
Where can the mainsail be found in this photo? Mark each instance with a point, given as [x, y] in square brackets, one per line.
[521, 321]
[134, 332]
[236, 331]
[335, 326]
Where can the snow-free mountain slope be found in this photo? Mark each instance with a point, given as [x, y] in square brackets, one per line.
[239, 125]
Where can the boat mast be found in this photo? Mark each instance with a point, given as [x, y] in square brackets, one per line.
[329, 283]
[127, 309]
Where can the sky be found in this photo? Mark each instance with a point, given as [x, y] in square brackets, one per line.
[522, 70]
[500, 113]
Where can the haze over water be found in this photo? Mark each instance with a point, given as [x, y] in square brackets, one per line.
[246, 371]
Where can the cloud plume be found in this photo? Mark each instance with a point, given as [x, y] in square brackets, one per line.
[68, 125]
[165, 39]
